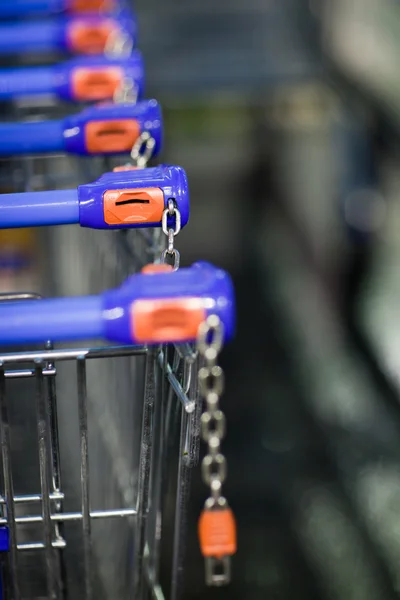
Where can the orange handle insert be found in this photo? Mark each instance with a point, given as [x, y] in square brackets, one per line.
[217, 533]
[137, 205]
[96, 83]
[159, 320]
[87, 6]
[90, 38]
[111, 136]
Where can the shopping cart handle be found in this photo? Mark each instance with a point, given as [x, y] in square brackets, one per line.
[149, 308]
[79, 35]
[84, 79]
[120, 200]
[103, 129]
[24, 8]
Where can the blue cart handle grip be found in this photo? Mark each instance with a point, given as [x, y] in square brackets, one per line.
[153, 307]
[119, 200]
[105, 129]
[83, 79]
[26, 8]
[79, 35]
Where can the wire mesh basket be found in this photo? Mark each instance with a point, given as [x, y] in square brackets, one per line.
[109, 411]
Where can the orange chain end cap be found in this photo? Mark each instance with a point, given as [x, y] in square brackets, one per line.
[217, 533]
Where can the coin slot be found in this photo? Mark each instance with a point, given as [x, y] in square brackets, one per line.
[132, 201]
[113, 136]
[98, 84]
[134, 205]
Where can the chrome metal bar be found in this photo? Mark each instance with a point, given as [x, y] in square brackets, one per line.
[155, 519]
[63, 517]
[8, 484]
[12, 297]
[73, 353]
[51, 393]
[144, 473]
[188, 458]
[156, 591]
[25, 373]
[187, 352]
[188, 405]
[32, 498]
[59, 544]
[54, 435]
[43, 444]
[181, 506]
[83, 434]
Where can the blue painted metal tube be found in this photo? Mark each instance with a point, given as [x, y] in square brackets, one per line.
[57, 319]
[22, 8]
[34, 209]
[36, 137]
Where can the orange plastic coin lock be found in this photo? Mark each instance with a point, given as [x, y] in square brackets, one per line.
[153, 268]
[125, 168]
[111, 136]
[217, 533]
[85, 38]
[86, 6]
[96, 83]
[163, 320]
[138, 205]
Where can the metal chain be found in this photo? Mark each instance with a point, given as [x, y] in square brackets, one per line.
[170, 212]
[143, 150]
[141, 153]
[118, 44]
[211, 383]
[126, 93]
[221, 529]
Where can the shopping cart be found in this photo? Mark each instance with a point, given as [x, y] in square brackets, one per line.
[64, 534]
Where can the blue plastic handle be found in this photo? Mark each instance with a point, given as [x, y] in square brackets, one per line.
[23, 8]
[26, 82]
[85, 35]
[125, 199]
[148, 308]
[31, 137]
[35, 209]
[58, 319]
[74, 133]
[24, 37]
[27, 8]
[82, 79]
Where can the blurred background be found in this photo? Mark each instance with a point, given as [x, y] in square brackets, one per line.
[286, 114]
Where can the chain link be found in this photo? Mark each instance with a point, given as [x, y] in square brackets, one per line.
[213, 423]
[118, 44]
[171, 252]
[126, 93]
[143, 150]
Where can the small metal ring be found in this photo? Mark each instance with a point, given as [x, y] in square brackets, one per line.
[171, 207]
[118, 44]
[171, 236]
[126, 93]
[178, 221]
[211, 381]
[213, 467]
[177, 258]
[210, 335]
[143, 149]
[213, 425]
[216, 503]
